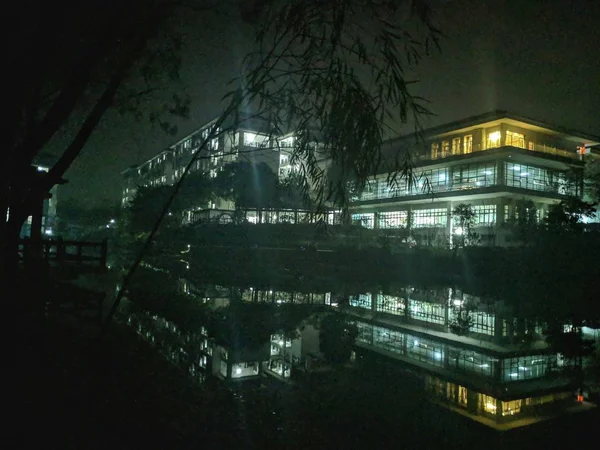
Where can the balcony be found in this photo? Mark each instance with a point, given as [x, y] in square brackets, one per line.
[531, 146]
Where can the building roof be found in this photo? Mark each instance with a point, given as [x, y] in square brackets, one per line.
[497, 116]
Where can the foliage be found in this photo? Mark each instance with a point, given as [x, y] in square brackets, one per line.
[248, 185]
[464, 220]
[333, 73]
[336, 338]
[567, 216]
[570, 344]
[72, 62]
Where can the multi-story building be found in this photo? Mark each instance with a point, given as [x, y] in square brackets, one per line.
[493, 162]
[251, 142]
[471, 353]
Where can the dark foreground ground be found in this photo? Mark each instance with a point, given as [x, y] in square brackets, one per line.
[70, 393]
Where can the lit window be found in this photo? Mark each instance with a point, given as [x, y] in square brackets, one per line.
[445, 148]
[456, 146]
[435, 150]
[493, 139]
[468, 144]
[515, 139]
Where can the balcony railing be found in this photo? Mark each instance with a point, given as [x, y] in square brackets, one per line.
[531, 146]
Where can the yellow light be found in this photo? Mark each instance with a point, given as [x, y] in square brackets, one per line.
[494, 137]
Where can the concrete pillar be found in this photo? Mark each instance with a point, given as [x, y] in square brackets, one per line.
[500, 173]
[376, 220]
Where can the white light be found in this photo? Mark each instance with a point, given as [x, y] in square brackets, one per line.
[442, 177]
[488, 172]
[416, 342]
[514, 374]
[457, 302]
[437, 355]
[112, 220]
[494, 137]
[107, 226]
[48, 232]
[238, 371]
[484, 366]
[523, 368]
[459, 231]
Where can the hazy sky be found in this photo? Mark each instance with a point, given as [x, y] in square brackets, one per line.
[537, 58]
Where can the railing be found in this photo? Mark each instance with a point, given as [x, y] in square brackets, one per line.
[524, 145]
[59, 251]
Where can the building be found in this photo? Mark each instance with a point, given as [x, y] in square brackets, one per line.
[495, 162]
[250, 142]
[467, 351]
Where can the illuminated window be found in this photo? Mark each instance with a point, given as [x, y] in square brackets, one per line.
[187, 144]
[515, 139]
[435, 180]
[364, 220]
[391, 304]
[387, 339]
[485, 215]
[435, 150]
[456, 146]
[493, 139]
[361, 301]
[488, 403]
[445, 148]
[474, 176]
[255, 140]
[537, 179]
[468, 144]
[393, 219]
[425, 218]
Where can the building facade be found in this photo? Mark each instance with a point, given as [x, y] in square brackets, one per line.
[468, 351]
[494, 162]
[251, 142]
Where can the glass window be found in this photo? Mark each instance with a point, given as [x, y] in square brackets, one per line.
[364, 220]
[391, 305]
[427, 311]
[425, 218]
[383, 189]
[361, 301]
[537, 179]
[445, 148]
[456, 146]
[485, 215]
[388, 339]
[468, 143]
[425, 350]
[527, 367]
[393, 219]
[365, 332]
[435, 150]
[494, 139]
[515, 139]
[436, 180]
[255, 140]
[474, 176]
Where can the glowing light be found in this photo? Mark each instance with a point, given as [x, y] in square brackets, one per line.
[459, 231]
[484, 366]
[494, 137]
[238, 371]
[112, 220]
[457, 302]
[437, 355]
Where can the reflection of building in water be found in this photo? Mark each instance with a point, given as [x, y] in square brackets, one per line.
[295, 351]
[274, 296]
[472, 353]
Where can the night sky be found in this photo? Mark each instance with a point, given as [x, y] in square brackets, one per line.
[537, 58]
